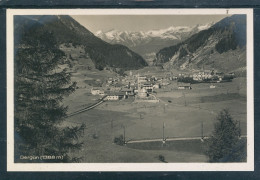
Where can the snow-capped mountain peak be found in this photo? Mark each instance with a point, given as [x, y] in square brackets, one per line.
[170, 33]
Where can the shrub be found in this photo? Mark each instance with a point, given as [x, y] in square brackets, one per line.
[161, 158]
[119, 140]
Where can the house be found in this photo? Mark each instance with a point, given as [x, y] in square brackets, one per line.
[142, 79]
[115, 96]
[156, 86]
[127, 91]
[173, 78]
[115, 88]
[112, 97]
[231, 74]
[96, 91]
[110, 80]
[184, 86]
[164, 83]
[143, 93]
[135, 88]
[148, 87]
[182, 66]
[183, 75]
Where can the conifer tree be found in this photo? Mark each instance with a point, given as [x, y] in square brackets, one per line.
[224, 144]
[41, 82]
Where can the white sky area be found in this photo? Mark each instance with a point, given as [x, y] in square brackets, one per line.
[95, 23]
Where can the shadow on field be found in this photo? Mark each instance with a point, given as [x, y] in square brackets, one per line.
[192, 146]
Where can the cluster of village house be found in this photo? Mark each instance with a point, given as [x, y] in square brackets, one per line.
[130, 86]
[206, 74]
[143, 86]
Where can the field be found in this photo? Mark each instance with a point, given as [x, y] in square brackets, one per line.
[182, 111]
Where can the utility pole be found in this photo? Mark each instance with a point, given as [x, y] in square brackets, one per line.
[239, 135]
[163, 131]
[124, 134]
[202, 136]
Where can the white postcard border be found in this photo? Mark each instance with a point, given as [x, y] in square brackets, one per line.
[11, 166]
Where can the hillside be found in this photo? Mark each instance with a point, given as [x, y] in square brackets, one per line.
[221, 47]
[147, 43]
[67, 31]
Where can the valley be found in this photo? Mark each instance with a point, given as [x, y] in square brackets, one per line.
[182, 112]
[143, 86]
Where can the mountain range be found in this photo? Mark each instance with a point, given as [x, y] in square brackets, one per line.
[147, 43]
[222, 46]
[66, 30]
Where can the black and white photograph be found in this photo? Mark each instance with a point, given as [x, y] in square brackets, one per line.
[130, 89]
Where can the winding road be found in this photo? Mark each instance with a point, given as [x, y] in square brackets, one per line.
[87, 108]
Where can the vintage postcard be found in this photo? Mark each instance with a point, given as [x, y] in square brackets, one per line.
[130, 90]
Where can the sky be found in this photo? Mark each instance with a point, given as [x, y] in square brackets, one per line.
[95, 23]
